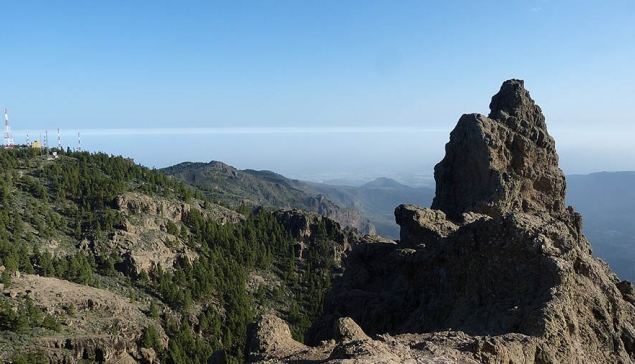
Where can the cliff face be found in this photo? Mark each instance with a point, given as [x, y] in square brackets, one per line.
[506, 162]
[497, 272]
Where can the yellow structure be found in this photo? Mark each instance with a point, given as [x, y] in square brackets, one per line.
[36, 144]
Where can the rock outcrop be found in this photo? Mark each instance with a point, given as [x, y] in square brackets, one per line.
[345, 216]
[271, 337]
[497, 272]
[142, 237]
[304, 227]
[506, 162]
[102, 326]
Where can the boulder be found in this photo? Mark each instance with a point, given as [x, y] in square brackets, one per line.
[422, 226]
[346, 330]
[270, 337]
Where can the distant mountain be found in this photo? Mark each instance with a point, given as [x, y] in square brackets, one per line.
[234, 187]
[377, 200]
[606, 201]
[345, 182]
[386, 183]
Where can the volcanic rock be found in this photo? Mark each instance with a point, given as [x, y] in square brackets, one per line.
[104, 327]
[304, 228]
[496, 272]
[271, 337]
[422, 225]
[506, 162]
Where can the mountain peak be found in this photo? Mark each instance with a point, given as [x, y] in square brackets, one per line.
[514, 101]
[384, 182]
[497, 271]
[503, 163]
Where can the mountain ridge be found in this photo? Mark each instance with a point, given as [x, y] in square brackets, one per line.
[376, 200]
[234, 187]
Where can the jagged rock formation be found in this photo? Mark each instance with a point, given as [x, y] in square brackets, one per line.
[305, 225]
[497, 272]
[506, 162]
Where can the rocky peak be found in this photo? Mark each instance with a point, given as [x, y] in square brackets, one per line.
[496, 272]
[513, 101]
[506, 162]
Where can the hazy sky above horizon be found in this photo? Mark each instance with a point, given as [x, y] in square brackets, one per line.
[315, 87]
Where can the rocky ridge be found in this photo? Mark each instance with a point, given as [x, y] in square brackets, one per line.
[497, 272]
[234, 187]
[304, 225]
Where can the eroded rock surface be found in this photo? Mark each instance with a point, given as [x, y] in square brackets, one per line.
[270, 337]
[506, 162]
[496, 272]
[143, 239]
[103, 326]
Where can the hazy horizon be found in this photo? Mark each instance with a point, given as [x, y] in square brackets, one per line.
[312, 88]
[315, 155]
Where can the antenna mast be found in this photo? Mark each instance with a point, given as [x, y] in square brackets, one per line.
[79, 143]
[46, 142]
[28, 141]
[8, 139]
[59, 140]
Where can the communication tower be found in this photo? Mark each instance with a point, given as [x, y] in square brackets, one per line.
[28, 141]
[8, 139]
[46, 142]
[79, 143]
[59, 140]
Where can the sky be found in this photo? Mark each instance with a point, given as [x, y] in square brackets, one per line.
[314, 89]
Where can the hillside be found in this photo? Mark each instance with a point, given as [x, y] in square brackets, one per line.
[103, 260]
[234, 187]
[376, 200]
[369, 207]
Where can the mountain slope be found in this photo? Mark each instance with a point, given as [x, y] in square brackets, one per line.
[103, 260]
[248, 187]
[377, 200]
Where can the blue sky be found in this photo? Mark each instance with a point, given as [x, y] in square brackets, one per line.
[251, 83]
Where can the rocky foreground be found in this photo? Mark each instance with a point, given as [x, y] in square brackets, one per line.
[497, 272]
[99, 324]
